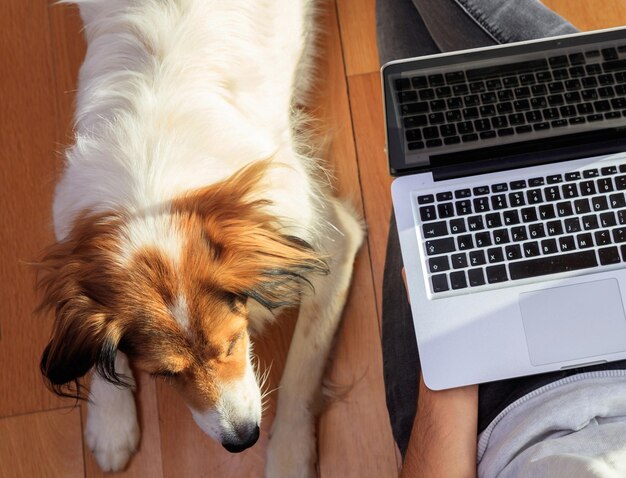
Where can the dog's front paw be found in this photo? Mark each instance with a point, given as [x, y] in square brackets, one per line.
[112, 433]
[291, 451]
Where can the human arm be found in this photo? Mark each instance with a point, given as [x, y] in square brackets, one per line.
[443, 439]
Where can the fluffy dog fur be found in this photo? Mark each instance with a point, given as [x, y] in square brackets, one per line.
[188, 209]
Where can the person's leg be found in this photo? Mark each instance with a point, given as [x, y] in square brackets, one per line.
[407, 28]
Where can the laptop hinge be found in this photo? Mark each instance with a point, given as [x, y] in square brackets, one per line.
[528, 153]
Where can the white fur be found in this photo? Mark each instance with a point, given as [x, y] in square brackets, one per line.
[176, 95]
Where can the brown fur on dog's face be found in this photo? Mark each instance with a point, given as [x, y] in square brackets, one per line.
[175, 311]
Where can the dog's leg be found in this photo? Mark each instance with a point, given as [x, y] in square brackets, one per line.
[112, 430]
[292, 446]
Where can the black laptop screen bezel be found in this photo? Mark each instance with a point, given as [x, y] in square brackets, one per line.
[395, 140]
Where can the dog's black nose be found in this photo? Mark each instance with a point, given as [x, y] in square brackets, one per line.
[244, 440]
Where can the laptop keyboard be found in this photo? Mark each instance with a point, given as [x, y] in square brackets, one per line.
[536, 96]
[492, 234]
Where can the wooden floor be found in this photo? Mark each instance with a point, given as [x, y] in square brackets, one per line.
[40, 435]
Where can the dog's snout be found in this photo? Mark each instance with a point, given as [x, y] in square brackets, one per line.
[246, 436]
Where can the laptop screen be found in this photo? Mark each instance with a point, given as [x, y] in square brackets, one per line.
[505, 101]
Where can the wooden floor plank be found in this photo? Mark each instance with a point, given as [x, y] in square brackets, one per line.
[28, 136]
[357, 19]
[367, 117]
[43, 445]
[590, 14]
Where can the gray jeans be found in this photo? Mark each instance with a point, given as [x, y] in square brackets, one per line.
[408, 28]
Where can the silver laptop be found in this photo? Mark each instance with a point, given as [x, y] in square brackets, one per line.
[510, 204]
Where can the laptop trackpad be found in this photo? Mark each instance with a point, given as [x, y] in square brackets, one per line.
[574, 322]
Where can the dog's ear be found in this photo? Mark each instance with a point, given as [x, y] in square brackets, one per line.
[75, 286]
[252, 257]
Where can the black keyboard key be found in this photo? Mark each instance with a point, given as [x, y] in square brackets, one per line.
[495, 255]
[431, 132]
[513, 252]
[407, 96]
[609, 54]
[470, 113]
[558, 61]
[521, 105]
[561, 74]
[527, 79]
[440, 246]
[480, 190]
[435, 80]
[584, 240]
[457, 280]
[548, 246]
[464, 242]
[413, 135]
[568, 111]
[570, 190]
[477, 87]
[552, 193]
[605, 185]
[510, 82]
[419, 82]
[620, 182]
[483, 239]
[487, 134]
[443, 91]
[460, 90]
[582, 206]
[445, 210]
[516, 119]
[567, 243]
[444, 196]
[518, 233]
[619, 235]
[438, 264]
[457, 226]
[477, 258]
[455, 77]
[425, 199]
[546, 211]
[501, 236]
[564, 209]
[436, 118]
[505, 108]
[607, 219]
[533, 116]
[554, 228]
[500, 187]
[433, 143]
[465, 127]
[475, 223]
[440, 283]
[516, 199]
[437, 105]
[415, 121]
[402, 84]
[489, 97]
[498, 201]
[617, 200]
[493, 220]
[447, 130]
[556, 100]
[536, 231]
[552, 265]
[587, 188]
[521, 184]
[469, 137]
[599, 203]
[572, 176]
[506, 132]
[529, 214]
[534, 196]
[531, 249]
[590, 222]
[511, 218]
[496, 274]
[459, 261]
[481, 204]
[576, 71]
[427, 94]
[435, 229]
[482, 125]
[427, 213]
[463, 207]
[454, 103]
[541, 126]
[572, 225]
[603, 238]
[523, 129]
[476, 277]
[413, 108]
[452, 140]
[609, 255]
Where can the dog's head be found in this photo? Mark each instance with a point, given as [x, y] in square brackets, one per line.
[170, 288]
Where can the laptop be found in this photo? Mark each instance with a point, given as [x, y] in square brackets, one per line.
[509, 197]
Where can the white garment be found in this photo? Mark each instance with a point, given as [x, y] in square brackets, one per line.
[575, 427]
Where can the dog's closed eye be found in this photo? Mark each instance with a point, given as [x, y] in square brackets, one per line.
[165, 373]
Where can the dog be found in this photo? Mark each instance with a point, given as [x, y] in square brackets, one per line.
[191, 211]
